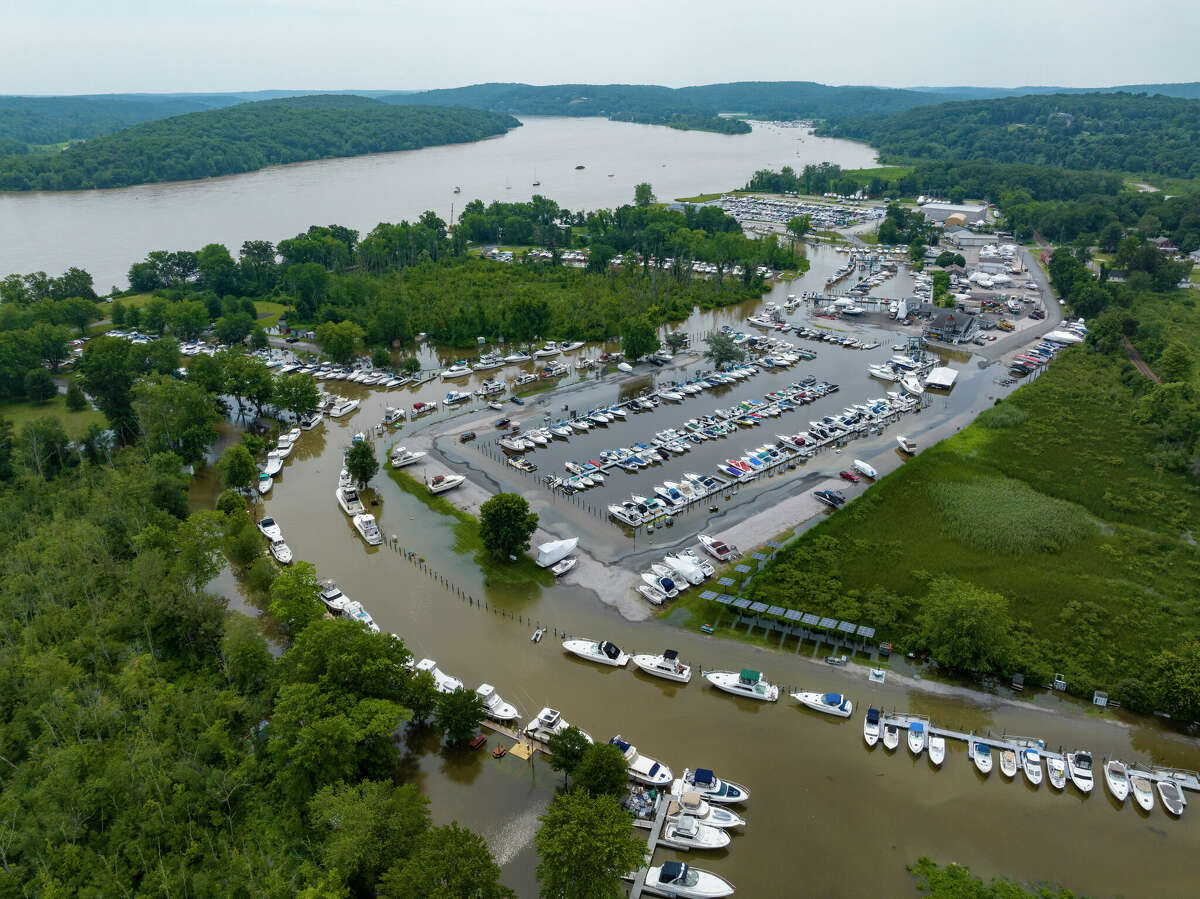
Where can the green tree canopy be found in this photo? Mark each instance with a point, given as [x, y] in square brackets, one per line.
[238, 471]
[602, 771]
[638, 338]
[449, 862]
[567, 747]
[339, 340]
[585, 845]
[458, 715]
[361, 461]
[965, 627]
[506, 524]
[722, 350]
[296, 597]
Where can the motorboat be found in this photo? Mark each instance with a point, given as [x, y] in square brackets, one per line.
[642, 768]
[443, 482]
[334, 599]
[666, 574]
[912, 384]
[653, 595]
[458, 370]
[665, 665]
[601, 651]
[343, 407]
[686, 833]
[916, 737]
[685, 568]
[682, 880]
[830, 703]
[349, 501]
[937, 749]
[1079, 766]
[1172, 797]
[1008, 762]
[265, 483]
[495, 707]
[1116, 776]
[692, 803]
[1056, 772]
[555, 551]
[291, 436]
[705, 566]
[455, 396]
[558, 569]
[907, 444]
[664, 585]
[863, 468]
[548, 723]
[982, 754]
[402, 456]
[718, 549]
[270, 529]
[273, 466]
[1143, 790]
[747, 682]
[891, 736]
[355, 612]
[282, 552]
[1031, 764]
[547, 351]
[518, 358]
[444, 682]
[871, 726]
[713, 788]
[368, 529]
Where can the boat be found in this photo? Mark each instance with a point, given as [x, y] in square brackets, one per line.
[916, 737]
[1008, 763]
[863, 468]
[653, 595]
[912, 384]
[1171, 796]
[624, 367]
[560, 568]
[347, 498]
[601, 651]
[891, 736]
[682, 880]
[270, 529]
[642, 768]
[343, 407]
[517, 358]
[1143, 790]
[871, 726]
[1031, 764]
[282, 552]
[273, 466]
[665, 665]
[937, 749]
[265, 483]
[1079, 767]
[444, 682]
[555, 551]
[713, 788]
[907, 444]
[829, 703]
[549, 722]
[718, 549]
[493, 706]
[443, 482]
[334, 599]
[368, 529]
[547, 351]
[283, 448]
[458, 370]
[686, 833]
[402, 456]
[1117, 778]
[1056, 772]
[455, 396]
[982, 754]
[747, 682]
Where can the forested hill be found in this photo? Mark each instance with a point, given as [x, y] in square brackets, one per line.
[1115, 132]
[244, 138]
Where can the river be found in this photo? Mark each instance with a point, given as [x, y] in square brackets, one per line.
[107, 230]
[828, 817]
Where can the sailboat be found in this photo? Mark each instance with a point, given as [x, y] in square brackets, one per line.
[536, 182]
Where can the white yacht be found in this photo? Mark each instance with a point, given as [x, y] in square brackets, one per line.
[547, 351]
[982, 754]
[343, 407]
[348, 500]
[283, 448]
[937, 749]
[642, 768]
[335, 600]
[1142, 789]
[719, 550]
[445, 683]
[686, 833]
[1117, 777]
[916, 737]
[273, 467]
[690, 802]
[1079, 766]
[270, 529]
[458, 370]
[518, 357]
[1031, 764]
[712, 788]
[906, 444]
[265, 483]
[684, 568]
[368, 529]
[871, 726]
[443, 482]
[747, 682]
[549, 722]
[653, 595]
[402, 456]
[495, 707]
[282, 552]
[829, 703]
[1056, 772]
[569, 346]
[686, 882]
[597, 651]
[666, 665]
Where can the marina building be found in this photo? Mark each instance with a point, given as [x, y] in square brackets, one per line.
[952, 326]
[939, 212]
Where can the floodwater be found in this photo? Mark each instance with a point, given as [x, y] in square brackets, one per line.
[827, 817]
[105, 231]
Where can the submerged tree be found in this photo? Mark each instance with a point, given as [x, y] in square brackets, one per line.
[506, 524]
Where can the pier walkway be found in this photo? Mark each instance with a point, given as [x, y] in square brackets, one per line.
[639, 882]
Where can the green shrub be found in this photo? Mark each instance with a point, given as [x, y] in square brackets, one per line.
[1002, 415]
[1005, 515]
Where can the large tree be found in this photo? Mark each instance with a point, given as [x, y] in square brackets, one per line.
[175, 416]
[567, 747]
[602, 771]
[449, 862]
[361, 461]
[586, 847]
[643, 194]
[339, 340]
[296, 597]
[965, 627]
[458, 714]
[297, 394]
[105, 372]
[638, 337]
[506, 524]
[238, 470]
[722, 350]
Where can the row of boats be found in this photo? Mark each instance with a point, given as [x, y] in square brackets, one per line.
[351, 504]
[276, 456]
[490, 361]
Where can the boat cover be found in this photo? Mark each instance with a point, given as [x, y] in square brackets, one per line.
[620, 744]
[917, 727]
[610, 650]
[555, 551]
[832, 699]
[704, 777]
[750, 676]
[670, 655]
[873, 716]
[671, 872]
[653, 769]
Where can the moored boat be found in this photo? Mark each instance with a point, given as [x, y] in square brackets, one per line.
[686, 882]
[642, 768]
[1142, 789]
[981, 753]
[495, 707]
[601, 651]
[871, 726]
[444, 682]
[1079, 767]
[1031, 763]
[1171, 796]
[1008, 763]
[666, 665]
[1116, 776]
[713, 788]
[549, 722]
[916, 737]
[891, 736]
[830, 703]
[747, 682]
[937, 749]
[686, 833]
[690, 802]
[1056, 772]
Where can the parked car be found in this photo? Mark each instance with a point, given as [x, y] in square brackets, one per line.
[849, 476]
[467, 437]
[518, 400]
[503, 422]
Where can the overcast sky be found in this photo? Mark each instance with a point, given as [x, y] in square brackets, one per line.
[100, 46]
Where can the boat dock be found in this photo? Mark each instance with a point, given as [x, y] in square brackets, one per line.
[656, 828]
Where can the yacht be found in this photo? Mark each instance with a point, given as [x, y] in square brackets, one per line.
[982, 754]
[871, 726]
[517, 358]
[682, 880]
[713, 789]
[747, 682]
[829, 703]
[666, 665]
[1056, 772]
[265, 483]
[907, 444]
[1143, 790]
[597, 651]
[367, 528]
[282, 552]
[274, 465]
[916, 737]
[402, 456]
[343, 407]
[347, 498]
[458, 370]
[626, 513]
[937, 749]
[487, 362]
[1079, 766]
[891, 736]
[355, 612]
[1117, 778]
[912, 384]
[444, 682]
[547, 723]
[547, 351]
[334, 599]
[653, 595]
[270, 529]
[443, 482]
[455, 396]
[686, 833]
[283, 448]
[292, 436]
[719, 550]
[493, 706]
[642, 768]
[570, 346]
[692, 803]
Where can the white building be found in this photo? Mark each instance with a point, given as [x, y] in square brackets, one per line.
[939, 212]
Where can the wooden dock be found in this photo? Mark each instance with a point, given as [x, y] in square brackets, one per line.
[639, 882]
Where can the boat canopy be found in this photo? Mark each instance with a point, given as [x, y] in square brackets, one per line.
[704, 776]
[670, 655]
[620, 744]
[654, 769]
[672, 872]
[983, 749]
[873, 716]
[610, 649]
[750, 676]
[832, 699]
[917, 727]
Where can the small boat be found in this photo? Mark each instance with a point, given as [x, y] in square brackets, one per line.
[686, 833]
[891, 736]
[1031, 763]
[601, 651]
[666, 665]
[282, 552]
[344, 407]
[937, 749]
[273, 466]
[519, 357]
[402, 456]
[348, 500]
[692, 803]
[653, 595]
[444, 682]
[713, 788]
[830, 703]
[458, 370]
[1008, 763]
[642, 769]
[368, 529]
[1143, 790]
[982, 754]
[1079, 766]
[265, 483]
[863, 468]
[549, 722]
[537, 635]
[719, 550]
[493, 706]
[1056, 772]
[1117, 778]
[747, 682]
[906, 444]
[916, 737]
[443, 482]
[871, 726]
[1171, 796]
[270, 529]
[558, 569]
[686, 882]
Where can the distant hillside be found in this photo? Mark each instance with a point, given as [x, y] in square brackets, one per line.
[1106, 131]
[1189, 90]
[246, 137]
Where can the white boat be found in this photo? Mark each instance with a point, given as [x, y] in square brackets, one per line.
[1142, 789]
[1008, 762]
[653, 595]
[1056, 772]
[549, 722]
[912, 384]
[713, 788]
[546, 352]
[520, 356]
[916, 737]
[343, 407]
[871, 726]
[664, 574]
[495, 707]
[906, 444]
[686, 882]
[402, 456]
[1031, 764]
[555, 551]
[718, 549]
[1079, 766]
[642, 768]
[863, 468]
[273, 467]
[558, 569]
[457, 370]
[597, 651]
[665, 665]
[282, 552]
[265, 483]
[445, 683]
[830, 703]
[937, 749]
[891, 736]
[334, 599]
[685, 568]
[443, 482]
[1171, 796]
[982, 754]
[283, 448]
[747, 682]
[270, 529]
[368, 529]
[348, 500]
[1117, 778]
[686, 833]
[624, 367]
[690, 802]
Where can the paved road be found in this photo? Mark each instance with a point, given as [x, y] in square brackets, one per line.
[1025, 336]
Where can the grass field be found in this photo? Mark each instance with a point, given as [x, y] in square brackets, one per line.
[268, 312]
[76, 424]
[864, 176]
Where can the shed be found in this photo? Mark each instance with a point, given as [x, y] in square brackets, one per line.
[942, 377]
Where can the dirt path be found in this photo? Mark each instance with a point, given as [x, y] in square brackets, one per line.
[1139, 363]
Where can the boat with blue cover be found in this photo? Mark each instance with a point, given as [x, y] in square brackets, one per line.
[830, 703]
[713, 788]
